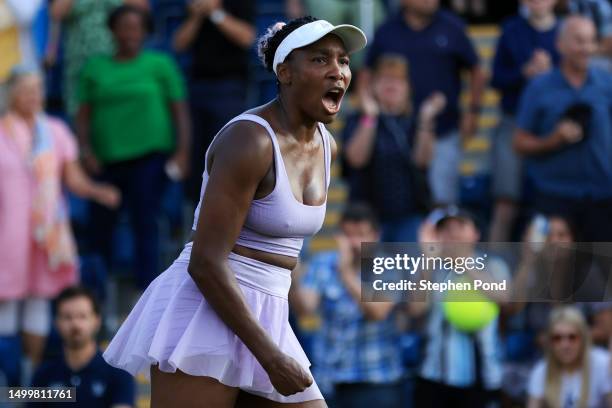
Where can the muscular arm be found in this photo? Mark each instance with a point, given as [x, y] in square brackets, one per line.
[242, 156]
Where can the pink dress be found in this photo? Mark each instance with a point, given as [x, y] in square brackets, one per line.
[24, 270]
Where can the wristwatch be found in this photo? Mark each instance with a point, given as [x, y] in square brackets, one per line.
[218, 16]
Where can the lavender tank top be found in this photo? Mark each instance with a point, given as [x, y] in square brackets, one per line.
[278, 222]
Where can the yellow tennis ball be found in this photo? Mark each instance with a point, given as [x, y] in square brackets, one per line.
[472, 313]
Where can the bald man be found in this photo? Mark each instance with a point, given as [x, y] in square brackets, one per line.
[564, 129]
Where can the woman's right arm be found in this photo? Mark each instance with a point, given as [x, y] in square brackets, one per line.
[242, 157]
[82, 124]
[360, 144]
[197, 11]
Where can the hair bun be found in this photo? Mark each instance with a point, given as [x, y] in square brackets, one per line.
[270, 40]
[263, 44]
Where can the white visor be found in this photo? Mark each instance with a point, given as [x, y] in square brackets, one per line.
[354, 39]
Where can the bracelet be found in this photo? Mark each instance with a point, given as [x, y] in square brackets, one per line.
[367, 121]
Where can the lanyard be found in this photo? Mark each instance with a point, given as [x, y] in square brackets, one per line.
[399, 133]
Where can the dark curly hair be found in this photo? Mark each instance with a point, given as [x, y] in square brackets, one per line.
[116, 14]
[274, 35]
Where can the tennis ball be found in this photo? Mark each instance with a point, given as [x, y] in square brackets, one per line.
[473, 313]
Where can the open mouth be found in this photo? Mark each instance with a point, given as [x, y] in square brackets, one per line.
[332, 99]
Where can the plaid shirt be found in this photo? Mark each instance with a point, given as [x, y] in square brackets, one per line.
[449, 353]
[349, 348]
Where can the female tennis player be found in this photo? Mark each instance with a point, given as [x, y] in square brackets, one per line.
[213, 328]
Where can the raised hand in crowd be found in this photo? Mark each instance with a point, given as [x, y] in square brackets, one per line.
[432, 107]
[203, 8]
[367, 102]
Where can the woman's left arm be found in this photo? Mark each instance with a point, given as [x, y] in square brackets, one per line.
[425, 137]
[182, 125]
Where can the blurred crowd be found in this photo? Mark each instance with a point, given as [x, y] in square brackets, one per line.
[107, 108]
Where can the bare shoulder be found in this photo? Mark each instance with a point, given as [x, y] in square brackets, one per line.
[243, 143]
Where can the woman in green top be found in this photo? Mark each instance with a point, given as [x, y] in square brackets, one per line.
[84, 34]
[132, 104]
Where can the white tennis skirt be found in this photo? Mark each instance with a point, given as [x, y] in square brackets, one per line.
[173, 325]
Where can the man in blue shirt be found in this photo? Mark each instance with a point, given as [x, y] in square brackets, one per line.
[82, 366]
[356, 355]
[525, 49]
[565, 131]
[437, 49]
[600, 13]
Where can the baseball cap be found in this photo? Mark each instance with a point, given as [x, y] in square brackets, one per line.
[439, 215]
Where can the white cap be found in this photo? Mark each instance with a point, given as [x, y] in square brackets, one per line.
[354, 39]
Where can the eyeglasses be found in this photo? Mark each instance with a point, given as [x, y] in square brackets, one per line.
[558, 338]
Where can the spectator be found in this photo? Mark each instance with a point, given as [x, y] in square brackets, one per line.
[131, 104]
[461, 368]
[437, 49]
[546, 268]
[573, 374]
[564, 129]
[218, 33]
[600, 13]
[16, 43]
[525, 49]
[601, 330]
[81, 365]
[85, 35]
[38, 157]
[544, 275]
[389, 150]
[356, 352]
[482, 11]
